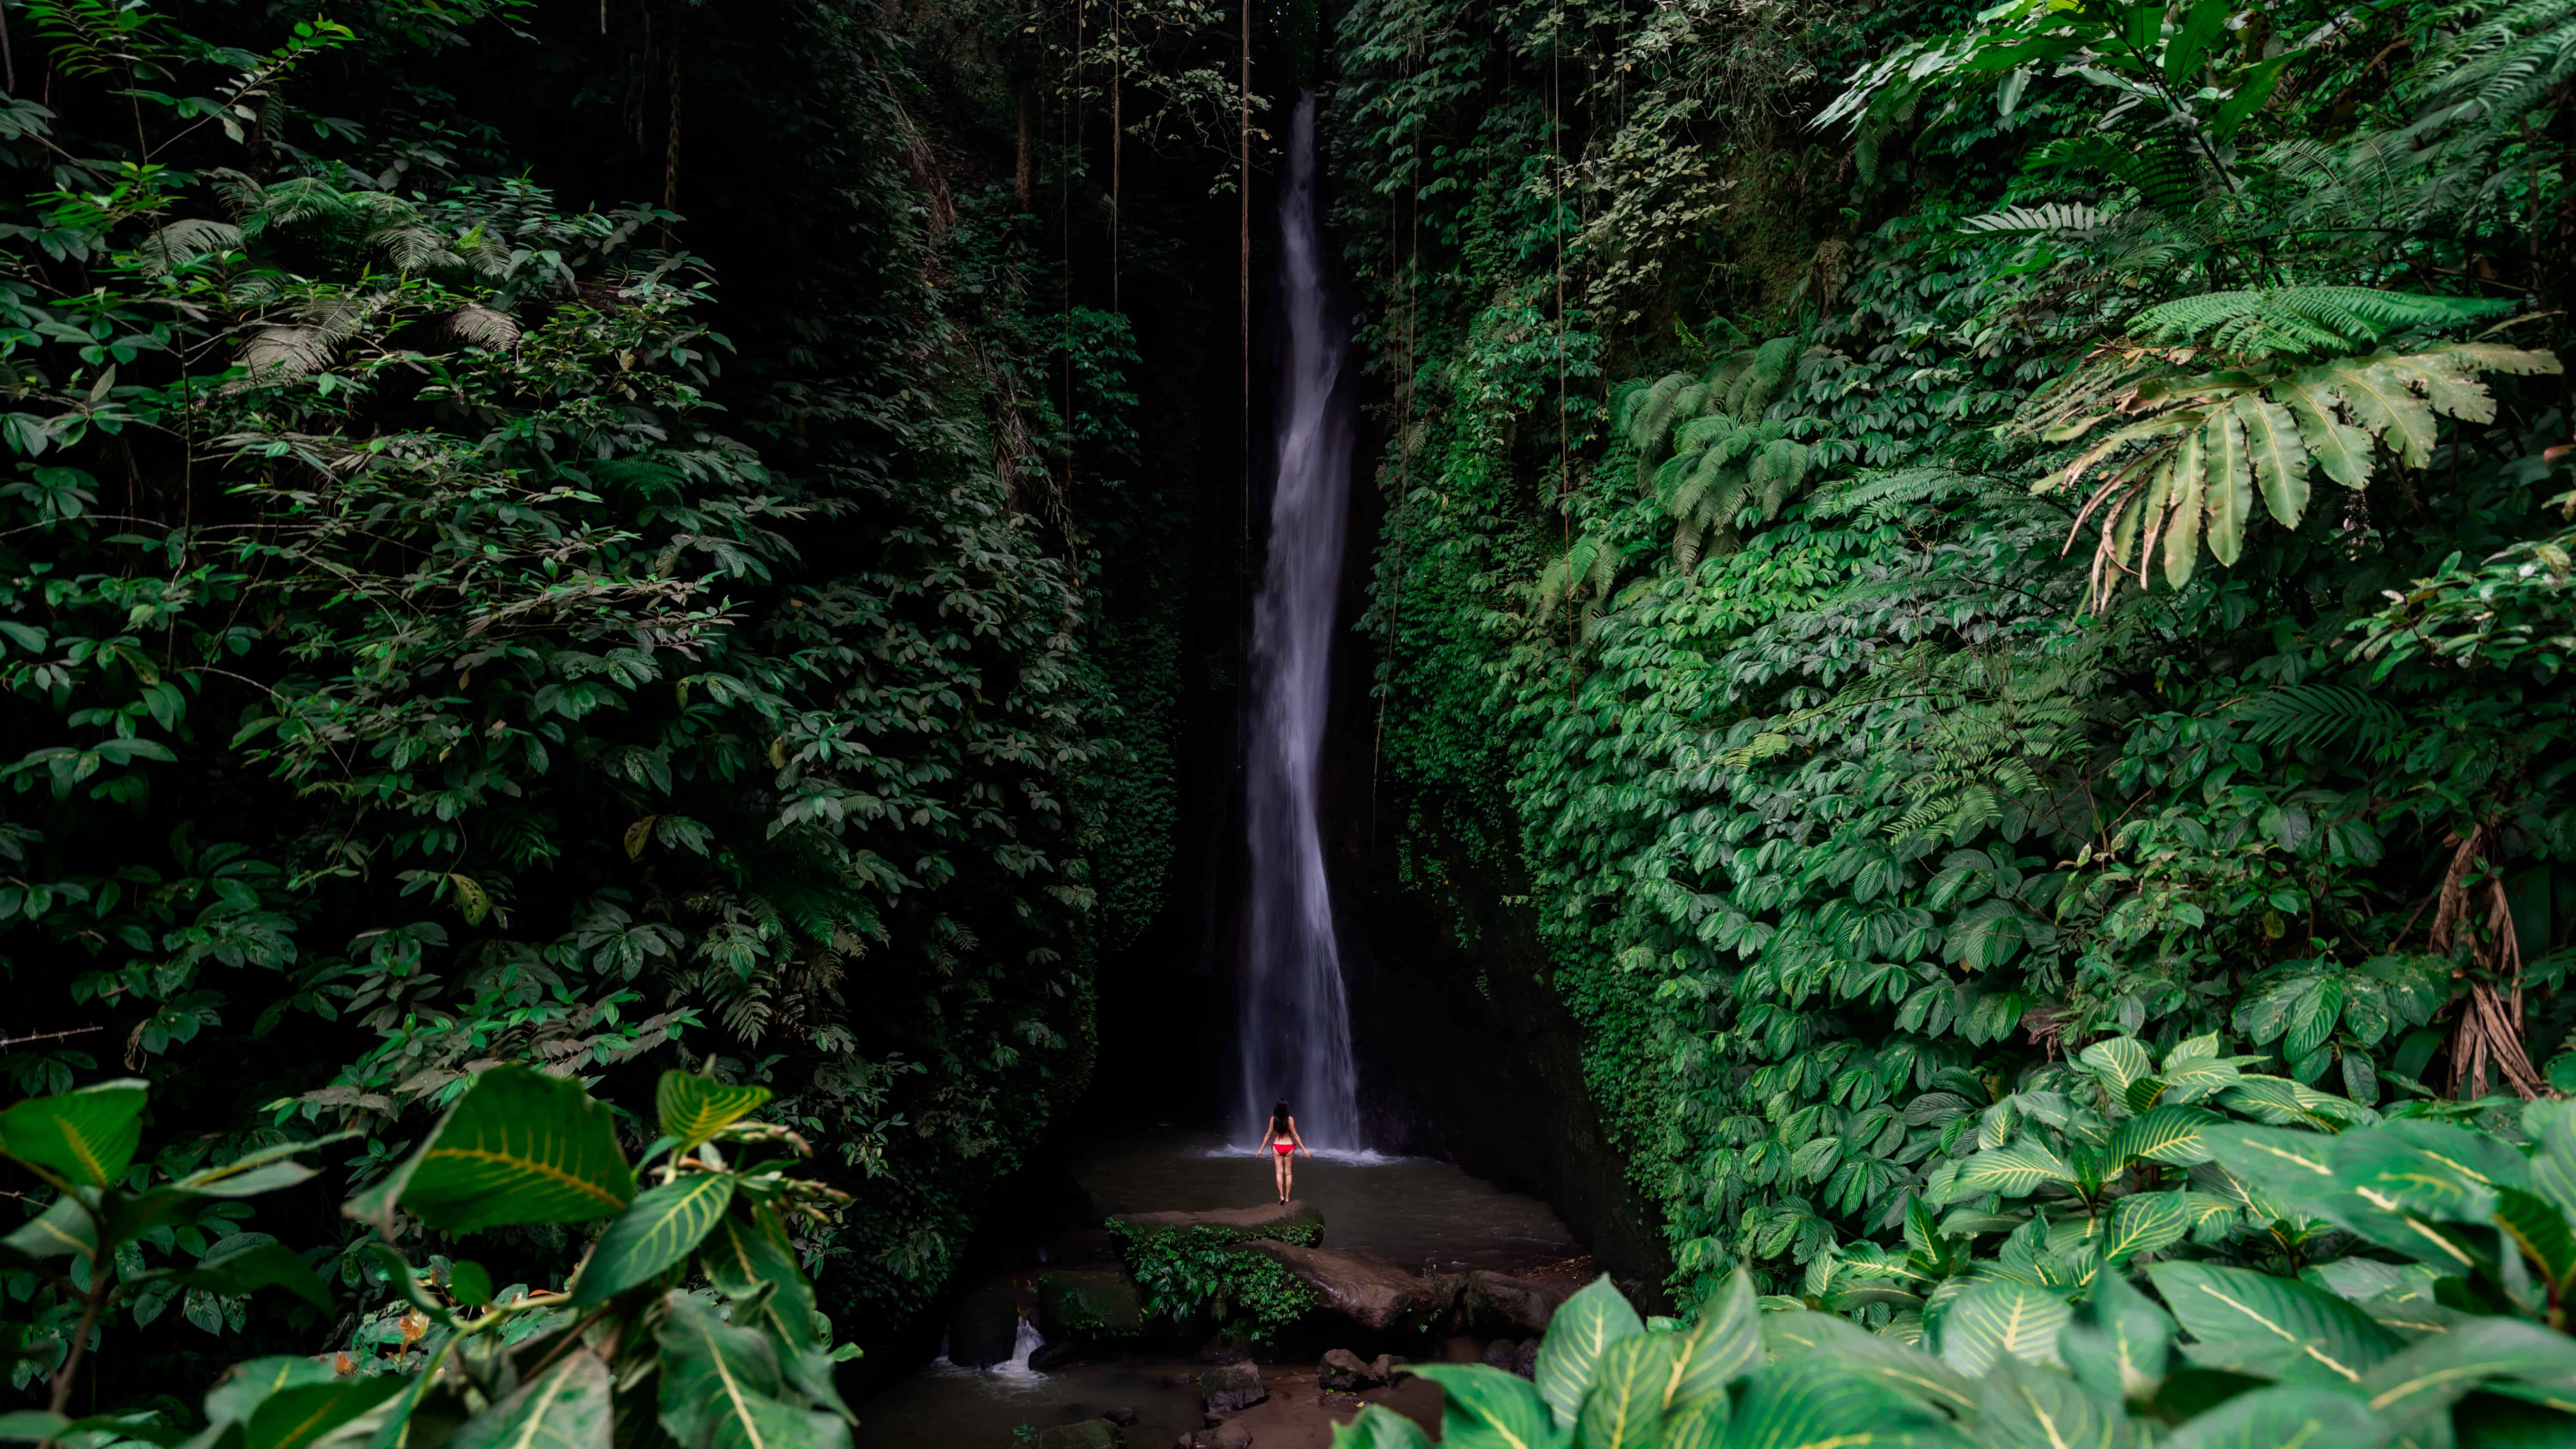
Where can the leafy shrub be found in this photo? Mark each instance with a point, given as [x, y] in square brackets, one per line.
[2429, 1309]
[690, 1311]
[1204, 1269]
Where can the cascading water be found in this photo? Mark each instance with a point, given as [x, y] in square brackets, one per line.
[1296, 1025]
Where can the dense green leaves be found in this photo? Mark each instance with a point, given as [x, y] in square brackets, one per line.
[518, 1147]
[659, 1228]
[86, 1137]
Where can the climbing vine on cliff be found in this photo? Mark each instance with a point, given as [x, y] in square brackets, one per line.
[1982, 561]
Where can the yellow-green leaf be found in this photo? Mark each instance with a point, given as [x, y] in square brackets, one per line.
[2340, 448]
[87, 1137]
[2280, 459]
[658, 1229]
[2182, 537]
[2226, 486]
[694, 1108]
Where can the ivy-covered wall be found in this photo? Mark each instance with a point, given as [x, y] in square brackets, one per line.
[1916, 539]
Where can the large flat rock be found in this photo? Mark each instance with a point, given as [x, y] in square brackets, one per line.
[1294, 1218]
[1499, 1303]
[1366, 1289]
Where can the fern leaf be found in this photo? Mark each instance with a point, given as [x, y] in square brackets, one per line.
[2279, 459]
[2302, 321]
[2315, 715]
[2054, 218]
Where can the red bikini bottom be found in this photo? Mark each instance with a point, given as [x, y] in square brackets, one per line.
[1283, 1148]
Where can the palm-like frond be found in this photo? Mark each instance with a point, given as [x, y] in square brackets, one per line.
[2303, 321]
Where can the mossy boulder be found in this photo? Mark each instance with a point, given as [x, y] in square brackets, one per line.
[1089, 1303]
[1089, 1434]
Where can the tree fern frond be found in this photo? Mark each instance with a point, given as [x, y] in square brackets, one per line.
[2055, 218]
[2302, 321]
[2315, 715]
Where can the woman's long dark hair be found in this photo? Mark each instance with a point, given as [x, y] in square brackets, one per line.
[1279, 1120]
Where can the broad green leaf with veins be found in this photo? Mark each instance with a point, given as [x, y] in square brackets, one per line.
[566, 1407]
[299, 1414]
[662, 1226]
[720, 1386]
[1997, 1319]
[1815, 1402]
[2167, 1134]
[2118, 1342]
[1486, 1408]
[1724, 1344]
[2279, 1418]
[518, 1147]
[2027, 1407]
[693, 1108]
[1379, 1427]
[86, 1137]
[2411, 1392]
[2281, 1328]
[1583, 1329]
[1625, 1409]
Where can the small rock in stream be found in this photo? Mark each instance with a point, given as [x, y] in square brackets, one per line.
[1122, 1416]
[1525, 1362]
[1231, 1388]
[1500, 1353]
[1344, 1371]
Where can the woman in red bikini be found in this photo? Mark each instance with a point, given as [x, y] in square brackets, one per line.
[1283, 1140]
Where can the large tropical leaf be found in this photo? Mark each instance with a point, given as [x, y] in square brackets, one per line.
[1997, 1319]
[1812, 1402]
[1625, 1409]
[2410, 1391]
[1725, 1344]
[2015, 1169]
[2168, 1134]
[297, 1415]
[2433, 1170]
[566, 1407]
[2118, 1343]
[693, 1108]
[662, 1226]
[2550, 1123]
[1486, 1408]
[720, 1386]
[87, 1137]
[1583, 1329]
[2280, 1328]
[1379, 1427]
[2285, 1417]
[2145, 1222]
[2027, 1407]
[1902, 1367]
[518, 1147]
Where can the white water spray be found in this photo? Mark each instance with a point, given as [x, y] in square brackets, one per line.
[1296, 1024]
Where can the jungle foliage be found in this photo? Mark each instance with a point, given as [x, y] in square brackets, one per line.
[2430, 1309]
[443, 624]
[1930, 539]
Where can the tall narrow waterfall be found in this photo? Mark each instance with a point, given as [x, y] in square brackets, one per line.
[1296, 1021]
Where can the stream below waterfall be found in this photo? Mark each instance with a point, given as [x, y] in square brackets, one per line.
[1410, 1210]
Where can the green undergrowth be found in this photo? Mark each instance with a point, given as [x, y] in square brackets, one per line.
[1204, 1270]
[2114, 588]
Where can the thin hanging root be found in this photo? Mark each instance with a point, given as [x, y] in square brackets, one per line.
[2490, 1031]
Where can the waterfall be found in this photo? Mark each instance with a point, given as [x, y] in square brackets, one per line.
[1296, 1026]
[1027, 1340]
